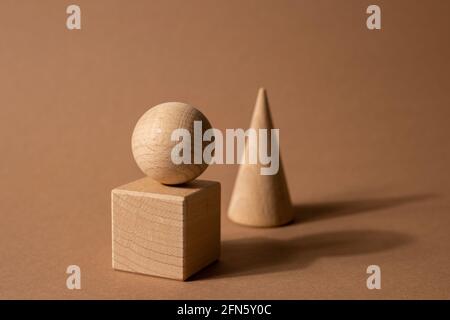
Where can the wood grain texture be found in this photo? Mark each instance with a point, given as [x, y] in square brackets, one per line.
[260, 200]
[152, 144]
[164, 231]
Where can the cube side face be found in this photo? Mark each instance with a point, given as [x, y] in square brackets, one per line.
[148, 234]
[202, 230]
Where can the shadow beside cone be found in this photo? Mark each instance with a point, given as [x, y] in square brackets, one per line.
[260, 200]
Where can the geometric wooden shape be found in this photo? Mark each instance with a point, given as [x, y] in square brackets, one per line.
[260, 200]
[165, 231]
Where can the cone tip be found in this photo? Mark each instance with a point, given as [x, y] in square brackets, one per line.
[262, 91]
[261, 99]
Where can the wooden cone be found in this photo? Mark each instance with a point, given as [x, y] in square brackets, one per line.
[260, 200]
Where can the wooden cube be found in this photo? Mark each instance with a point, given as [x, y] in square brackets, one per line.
[165, 231]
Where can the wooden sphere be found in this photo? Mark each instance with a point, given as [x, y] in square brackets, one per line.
[152, 145]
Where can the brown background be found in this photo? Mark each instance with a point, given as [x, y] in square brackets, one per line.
[364, 120]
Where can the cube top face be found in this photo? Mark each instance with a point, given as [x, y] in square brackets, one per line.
[178, 193]
[165, 231]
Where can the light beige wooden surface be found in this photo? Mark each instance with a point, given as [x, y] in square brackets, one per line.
[152, 144]
[260, 200]
[164, 231]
